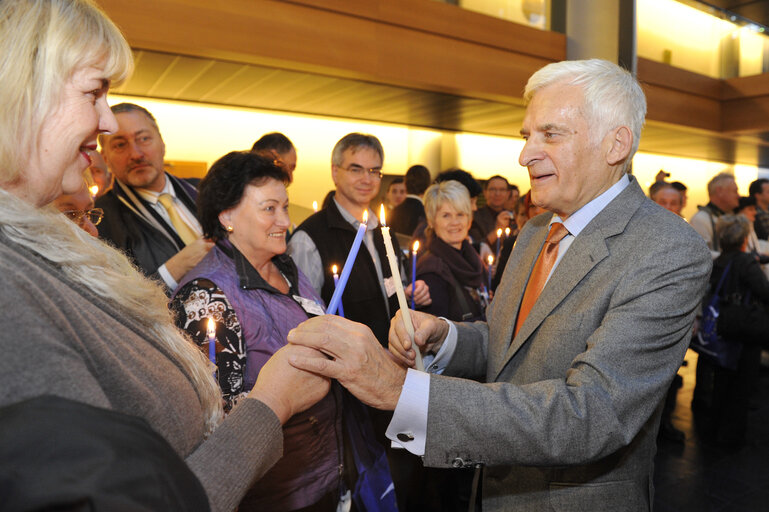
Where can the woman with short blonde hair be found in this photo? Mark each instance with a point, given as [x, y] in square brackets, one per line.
[450, 266]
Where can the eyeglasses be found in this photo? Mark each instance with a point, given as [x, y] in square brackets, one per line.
[95, 215]
[359, 172]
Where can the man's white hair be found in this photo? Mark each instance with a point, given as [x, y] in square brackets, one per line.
[613, 97]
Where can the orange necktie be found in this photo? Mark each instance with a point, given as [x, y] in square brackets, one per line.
[542, 268]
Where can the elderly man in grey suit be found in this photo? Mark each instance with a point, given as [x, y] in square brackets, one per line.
[560, 392]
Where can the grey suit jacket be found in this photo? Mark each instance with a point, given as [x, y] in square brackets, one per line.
[569, 415]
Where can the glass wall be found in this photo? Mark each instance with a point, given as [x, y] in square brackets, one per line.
[702, 40]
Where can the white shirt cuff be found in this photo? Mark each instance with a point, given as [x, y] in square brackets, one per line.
[408, 427]
[437, 363]
[166, 276]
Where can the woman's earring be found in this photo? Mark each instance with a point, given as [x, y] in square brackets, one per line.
[229, 229]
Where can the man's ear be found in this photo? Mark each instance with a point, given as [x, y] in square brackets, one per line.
[621, 140]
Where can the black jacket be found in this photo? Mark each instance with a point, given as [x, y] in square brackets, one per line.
[132, 225]
[405, 217]
[362, 300]
[58, 454]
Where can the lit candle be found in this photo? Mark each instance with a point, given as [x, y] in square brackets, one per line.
[396, 277]
[414, 250]
[336, 298]
[499, 236]
[491, 262]
[94, 189]
[507, 231]
[211, 331]
[340, 309]
[315, 206]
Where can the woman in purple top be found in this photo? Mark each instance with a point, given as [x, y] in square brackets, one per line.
[255, 295]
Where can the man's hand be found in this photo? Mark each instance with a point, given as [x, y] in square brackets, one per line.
[349, 352]
[186, 259]
[286, 390]
[429, 333]
[421, 293]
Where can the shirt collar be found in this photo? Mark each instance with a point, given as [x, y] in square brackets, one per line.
[582, 217]
[151, 196]
[250, 279]
[414, 196]
[371, 223]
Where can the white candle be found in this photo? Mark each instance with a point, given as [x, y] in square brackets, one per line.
[396, 277]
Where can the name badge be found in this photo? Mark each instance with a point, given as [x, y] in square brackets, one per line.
[309, 306]
[389, 286]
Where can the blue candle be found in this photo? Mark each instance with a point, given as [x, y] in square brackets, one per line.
[336, 298]
[414, 272]
[491, 262]
[211, 331]
[340, 310]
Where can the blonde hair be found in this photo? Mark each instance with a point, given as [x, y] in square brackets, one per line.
[42, 43]
[451, 192]
[110, 275]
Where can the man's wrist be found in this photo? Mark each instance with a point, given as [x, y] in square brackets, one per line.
[444, 332]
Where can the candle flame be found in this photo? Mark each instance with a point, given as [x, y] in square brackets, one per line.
[416, 246]
[382, 215]
[315, 206]
[365, 217]
[333, 269]
[499, 233]
[211, 331]
[490, 259]
[507, 231]
[94, 189]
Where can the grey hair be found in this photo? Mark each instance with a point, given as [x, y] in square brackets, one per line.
[613, 97]
[451, 192]
[719, 180]
[42, 43]
[732, 230]
[110, 275]
[355, 141]
[121, 108]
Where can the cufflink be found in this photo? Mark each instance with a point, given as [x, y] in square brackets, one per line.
[405, 438]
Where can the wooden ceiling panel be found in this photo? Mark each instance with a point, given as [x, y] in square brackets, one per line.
[205, 80]
[200, 86]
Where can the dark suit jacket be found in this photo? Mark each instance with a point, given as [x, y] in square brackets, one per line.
[131, 225]
[406, 216]
[571, 418]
